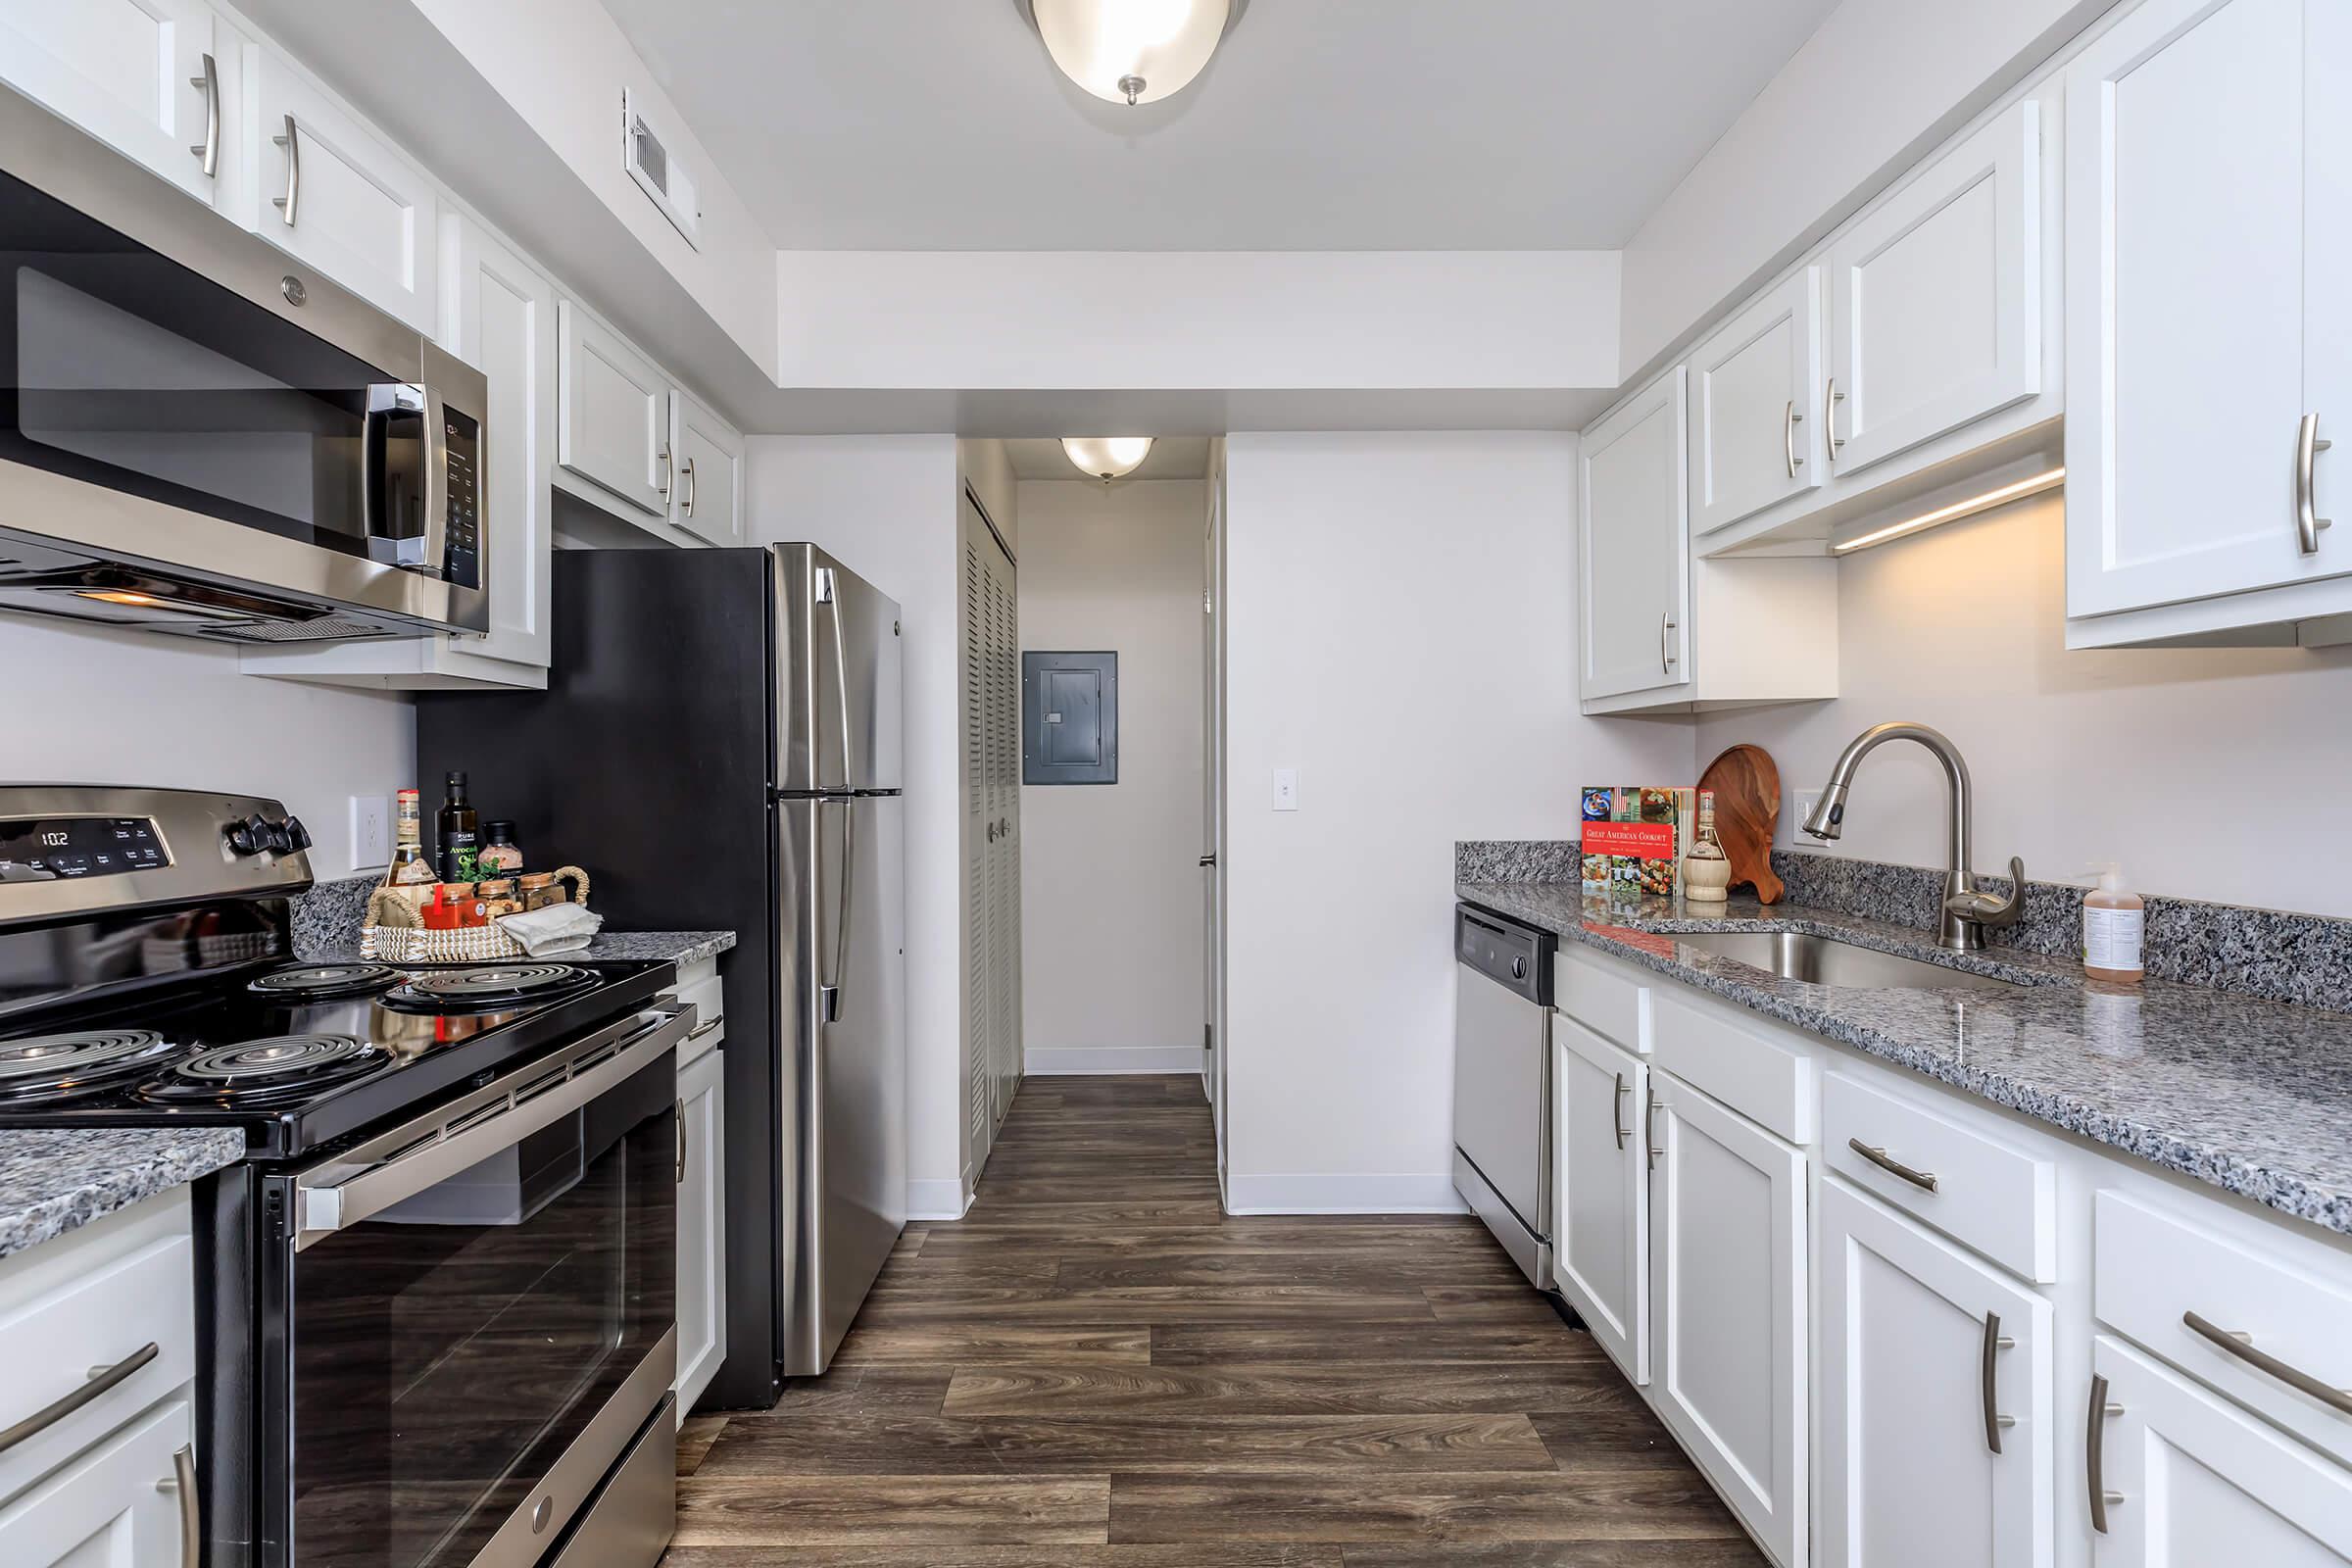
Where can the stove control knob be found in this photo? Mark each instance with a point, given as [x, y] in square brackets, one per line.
[274, 838]
[298, 836]
[240, 838]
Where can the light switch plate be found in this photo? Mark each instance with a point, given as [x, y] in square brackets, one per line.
[370, 831]
[1805, 800]
[1286, 789]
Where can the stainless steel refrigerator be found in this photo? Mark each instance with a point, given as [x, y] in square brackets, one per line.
[719, 744]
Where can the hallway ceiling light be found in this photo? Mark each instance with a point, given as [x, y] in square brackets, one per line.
[1106, 457]
[1131, 51]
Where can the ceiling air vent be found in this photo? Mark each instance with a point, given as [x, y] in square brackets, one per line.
[651, 165]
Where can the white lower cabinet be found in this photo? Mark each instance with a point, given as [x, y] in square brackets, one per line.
[702, 1226]
[1600, 1226]
[1726, 1273]
[118, 1506]
[2187, 1481]
[1937, 1440]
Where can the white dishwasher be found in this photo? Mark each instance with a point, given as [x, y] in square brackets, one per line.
[1503, 1081]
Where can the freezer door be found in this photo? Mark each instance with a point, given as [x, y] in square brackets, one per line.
[837, 677]
[849, 1169]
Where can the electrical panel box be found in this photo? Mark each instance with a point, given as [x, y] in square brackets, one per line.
[1069, 719]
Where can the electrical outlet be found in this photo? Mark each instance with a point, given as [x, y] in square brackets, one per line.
[1286, 789]
[370, 831]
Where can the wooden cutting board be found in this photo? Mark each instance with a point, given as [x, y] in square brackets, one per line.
[1747, 811]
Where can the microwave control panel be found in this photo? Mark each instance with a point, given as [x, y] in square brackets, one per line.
[462, 557]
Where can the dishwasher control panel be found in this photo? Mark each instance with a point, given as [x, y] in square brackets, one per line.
[1505, 952]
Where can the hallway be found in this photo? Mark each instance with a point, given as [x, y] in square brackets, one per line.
[1096, 1367]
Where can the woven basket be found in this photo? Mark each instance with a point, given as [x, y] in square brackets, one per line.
[393, 932]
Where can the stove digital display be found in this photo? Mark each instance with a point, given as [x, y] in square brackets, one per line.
[64, 849]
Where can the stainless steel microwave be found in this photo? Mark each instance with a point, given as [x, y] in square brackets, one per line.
[199, 435]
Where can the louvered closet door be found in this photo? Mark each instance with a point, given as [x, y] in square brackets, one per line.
[1005, 879]
[980, 1124]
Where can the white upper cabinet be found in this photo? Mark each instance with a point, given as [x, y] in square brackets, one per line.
[1635, 562]
[2207, 212]
[706, 497]
[614, 415]
[336, 196]
[1754, 422]
[141, 75]
[1936, 1434]
[1935, 298]
[1601, 1244]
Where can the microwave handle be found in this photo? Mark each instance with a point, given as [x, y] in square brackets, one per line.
[343, 1191]
[428, 553]
[436, 485]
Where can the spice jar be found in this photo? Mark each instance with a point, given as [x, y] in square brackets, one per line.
[500, 855]
[497, 898]
[541, 889]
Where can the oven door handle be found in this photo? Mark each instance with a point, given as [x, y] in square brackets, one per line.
[420, 1153]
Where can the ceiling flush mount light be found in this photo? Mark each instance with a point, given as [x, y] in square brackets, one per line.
[1999, 496]
[1132, 51]
[1106, 457]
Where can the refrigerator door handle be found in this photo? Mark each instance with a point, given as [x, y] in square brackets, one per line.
[829, 594]
[829, 992]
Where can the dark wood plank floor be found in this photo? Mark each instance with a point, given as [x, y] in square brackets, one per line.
[1096, 1368]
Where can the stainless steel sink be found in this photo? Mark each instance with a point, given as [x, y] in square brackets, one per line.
[1827, 962]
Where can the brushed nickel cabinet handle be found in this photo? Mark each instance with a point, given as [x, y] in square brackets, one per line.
[291, 203]
[1995, 1341]
[1666, 642]
[207, 151]
[1650, 1127]
[1790, 421]
[678, 1117]
[182, 1480]
[2295, 1378]
[2308, 523]
[662, 484]
[102, 1378]
[687, 473]
[2094, 1454]
[1830, 399]
[1617, 1109]
[1923, 1180]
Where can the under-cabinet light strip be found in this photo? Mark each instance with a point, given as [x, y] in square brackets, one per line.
[1990, 499]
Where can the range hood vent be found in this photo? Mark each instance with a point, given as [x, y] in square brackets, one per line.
[41, 582]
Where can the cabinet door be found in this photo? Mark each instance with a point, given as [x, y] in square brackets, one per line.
[116, 1506]
[338, 197]
[1911, 1400]
[2186, 278]
[1935, 298]
[1633, 493]
[706, 498]
[613, 416]
[1755, 390]
[701, 1227]
[499, 316]
[1727, 1283]
[1601, 1243]
[2190, 1482]
[130, 72]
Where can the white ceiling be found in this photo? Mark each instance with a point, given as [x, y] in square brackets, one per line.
[1321, 124]
[1178, 457]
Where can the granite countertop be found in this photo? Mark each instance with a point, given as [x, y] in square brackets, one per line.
[54, 1182]
[679, 947]
[2246, 1093]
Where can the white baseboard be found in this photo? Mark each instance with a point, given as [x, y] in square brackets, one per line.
[935, 1197]
[1407, 1193]
[1063, 1061]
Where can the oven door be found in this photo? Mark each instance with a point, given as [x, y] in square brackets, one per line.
[174, 399]
[478, 1314]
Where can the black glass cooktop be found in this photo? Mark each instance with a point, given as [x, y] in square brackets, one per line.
[301, 1053]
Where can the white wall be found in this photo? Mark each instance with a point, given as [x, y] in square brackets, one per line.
[1879, 83]
[1111, 917]
[1146, 320]
[1400, 619]
[2208, 773]
[86, 705]
[885, 506]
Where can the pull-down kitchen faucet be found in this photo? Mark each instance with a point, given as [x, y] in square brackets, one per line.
[1968, 912]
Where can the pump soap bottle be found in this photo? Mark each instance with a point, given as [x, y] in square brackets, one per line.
[2112, 926]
